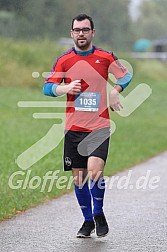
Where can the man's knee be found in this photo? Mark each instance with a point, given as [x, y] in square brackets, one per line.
[95, 175]
[95, 168]
[79, 176]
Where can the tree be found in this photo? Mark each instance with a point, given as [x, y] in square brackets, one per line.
[52, 19]
[8, 5]
[151, 22]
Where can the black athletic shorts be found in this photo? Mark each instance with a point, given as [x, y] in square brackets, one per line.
[79, 146]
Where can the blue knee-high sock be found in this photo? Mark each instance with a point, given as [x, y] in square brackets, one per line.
[84, 199]
[97, 189]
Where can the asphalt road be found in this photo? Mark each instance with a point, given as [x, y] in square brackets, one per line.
[136, 210]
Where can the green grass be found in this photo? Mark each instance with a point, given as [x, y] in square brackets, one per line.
[137, 137]
[19, 59]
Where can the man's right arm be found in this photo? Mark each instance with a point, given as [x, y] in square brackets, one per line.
[54, 90]
[49, 89]
[54, 79]
[52, 85]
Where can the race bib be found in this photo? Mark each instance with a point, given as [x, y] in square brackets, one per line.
[87, 101]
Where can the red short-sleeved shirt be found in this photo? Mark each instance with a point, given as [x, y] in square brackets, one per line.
[88, 111]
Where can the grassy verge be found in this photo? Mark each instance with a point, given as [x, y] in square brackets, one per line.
[137, 137]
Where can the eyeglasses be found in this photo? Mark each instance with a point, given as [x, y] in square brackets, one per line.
[85, 30]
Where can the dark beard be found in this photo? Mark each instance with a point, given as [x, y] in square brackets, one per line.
[84, 46]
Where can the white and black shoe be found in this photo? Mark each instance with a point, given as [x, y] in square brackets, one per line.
[102, 228]
[86, 230]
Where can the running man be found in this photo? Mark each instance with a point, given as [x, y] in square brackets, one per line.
[84, 70]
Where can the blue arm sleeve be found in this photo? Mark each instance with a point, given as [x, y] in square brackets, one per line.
[50, 89]
[124, 81]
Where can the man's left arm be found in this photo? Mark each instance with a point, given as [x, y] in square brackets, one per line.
[123, 78]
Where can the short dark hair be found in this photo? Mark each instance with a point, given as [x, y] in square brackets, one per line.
[82, 17]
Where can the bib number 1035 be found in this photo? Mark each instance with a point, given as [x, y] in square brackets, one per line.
[87, 101]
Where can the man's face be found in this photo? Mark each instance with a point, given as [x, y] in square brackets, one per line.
[82, 38]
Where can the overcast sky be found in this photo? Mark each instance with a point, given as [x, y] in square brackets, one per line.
[134, 10]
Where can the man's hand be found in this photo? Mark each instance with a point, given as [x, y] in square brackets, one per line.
[74, 87]
[114, 101]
